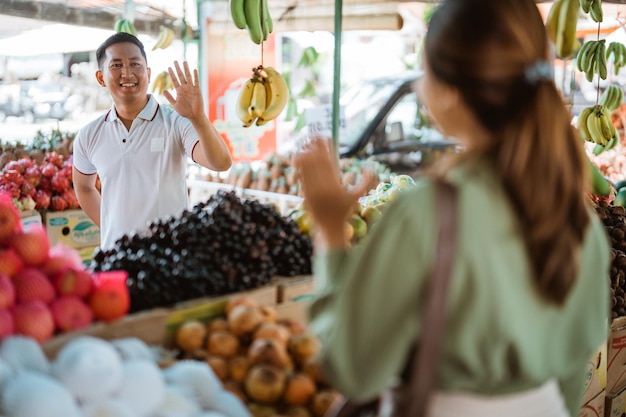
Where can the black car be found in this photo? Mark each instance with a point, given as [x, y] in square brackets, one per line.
[384, 120]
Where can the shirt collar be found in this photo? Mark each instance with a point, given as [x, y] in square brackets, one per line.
[147, 113]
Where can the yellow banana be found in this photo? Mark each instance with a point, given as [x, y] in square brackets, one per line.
[279, 94]
[243, 103]
[606, 125]
[595, 128]
[582, 124]
[566, 29]
[259, 98]
[165, 39]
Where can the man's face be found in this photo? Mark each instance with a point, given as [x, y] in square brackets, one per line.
[124, 72]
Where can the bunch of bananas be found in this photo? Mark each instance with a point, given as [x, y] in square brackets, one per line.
[561, 26]
[595, 125]
[165, 38]
[618, 50]
[612, 98]
[253, 15]
[125, 25]
[594, 8]
[591, 59]
[262, 97]
[162, 82]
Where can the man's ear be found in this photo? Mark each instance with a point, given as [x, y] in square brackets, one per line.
[100, 78]
[149, 74]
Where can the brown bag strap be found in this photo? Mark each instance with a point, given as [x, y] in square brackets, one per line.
[422, 374]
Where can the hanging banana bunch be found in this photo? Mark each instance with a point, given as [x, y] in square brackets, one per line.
[125, 25]
[561, 27]
[165, 38]
[262, 97]
[591, 59]
[595, 125]
[162, 82]
[254, 16]
[594, 8]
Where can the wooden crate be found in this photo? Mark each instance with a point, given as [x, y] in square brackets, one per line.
[289, 288]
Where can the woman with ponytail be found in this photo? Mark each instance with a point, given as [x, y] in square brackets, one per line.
[528, 300]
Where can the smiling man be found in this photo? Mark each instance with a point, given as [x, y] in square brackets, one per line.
[139, 148]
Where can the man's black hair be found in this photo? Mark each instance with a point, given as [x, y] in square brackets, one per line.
[118, 37]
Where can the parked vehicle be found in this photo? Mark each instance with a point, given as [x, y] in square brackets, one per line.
[385, 121]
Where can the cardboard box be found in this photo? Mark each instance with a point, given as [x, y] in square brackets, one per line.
[616, 357]
[595, 407]
[72, 227]
[615, 405]
[29, 217]
[595, 376]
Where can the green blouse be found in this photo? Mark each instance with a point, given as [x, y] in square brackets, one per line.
[501, 336]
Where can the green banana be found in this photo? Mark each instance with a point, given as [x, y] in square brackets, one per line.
[601, 60]
[265, 30]
[552, 21]
[595, 11]
[589, 60]
[566, 29]
[585, 5]
[237, 13]
[252, 10]
[581, 57]
[267, 17]
[612, 97]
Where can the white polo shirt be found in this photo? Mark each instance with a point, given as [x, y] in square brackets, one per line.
[142, 170]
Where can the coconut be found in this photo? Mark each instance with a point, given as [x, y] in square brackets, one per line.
[90, 367]
[31, 394]
[142, 388]
[196, 378]
[24, 353]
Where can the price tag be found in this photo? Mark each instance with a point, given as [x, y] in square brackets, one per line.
[319, 121]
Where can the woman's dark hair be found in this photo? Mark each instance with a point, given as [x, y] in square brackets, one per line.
[489, 51]
[118, 37]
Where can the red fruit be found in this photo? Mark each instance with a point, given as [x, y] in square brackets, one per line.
[60, 257]
[58, 203]
[25, 162]
[34, 319]
[31, 284]
[71, 313]
[32, 244]
[10, 221]
[73, 281]
[7, 324]
[14, 165]
[12, 175]
[7, 292]
[72, 201]
[33, 175]
[109, 297]
[27, 189]
[54, 158]
[10, 262]
[45, 185]
[11, 188]
[59, 182]
[42, 200]
[48, 170]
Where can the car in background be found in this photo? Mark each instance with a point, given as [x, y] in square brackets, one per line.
[385, 121]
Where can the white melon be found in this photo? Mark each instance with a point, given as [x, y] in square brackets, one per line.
[31, 394]
[177, 403]
[196, 377]
[142, 387]
[133, 348]
[90, 367]
[108, 408]
[23, 352]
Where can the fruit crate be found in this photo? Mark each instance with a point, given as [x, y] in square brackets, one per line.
[200, 191]
[157, 326]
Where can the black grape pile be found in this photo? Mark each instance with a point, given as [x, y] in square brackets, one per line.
[614, 219]
[221, 246]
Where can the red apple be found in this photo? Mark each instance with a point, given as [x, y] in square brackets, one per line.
[35, 320]
[73, 281]
[109, 298]
[7, 292]
[9, 217]
[10, 262]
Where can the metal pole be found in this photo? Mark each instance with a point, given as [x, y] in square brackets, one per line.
[337, 72]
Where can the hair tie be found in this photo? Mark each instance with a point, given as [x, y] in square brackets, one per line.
[539, 71]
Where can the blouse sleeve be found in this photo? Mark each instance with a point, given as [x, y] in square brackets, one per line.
[365, 308]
